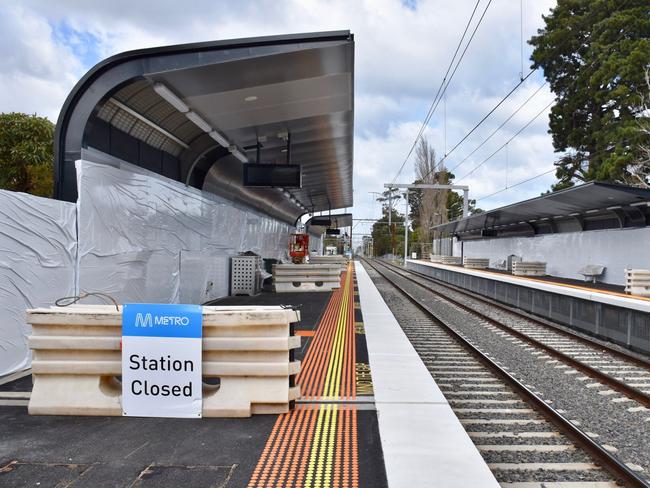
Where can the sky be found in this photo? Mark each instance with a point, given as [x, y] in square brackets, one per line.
[402, 50]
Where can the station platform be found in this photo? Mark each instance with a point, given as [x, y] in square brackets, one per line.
[370, 415]
[603, 311]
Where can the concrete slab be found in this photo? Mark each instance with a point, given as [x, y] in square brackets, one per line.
[426, 442]
[403, 378]
[421, 437]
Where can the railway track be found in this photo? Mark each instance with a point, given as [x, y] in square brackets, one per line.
[525, 441]
[619, 370]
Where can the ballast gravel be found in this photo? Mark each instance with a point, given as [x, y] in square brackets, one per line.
[628, 431]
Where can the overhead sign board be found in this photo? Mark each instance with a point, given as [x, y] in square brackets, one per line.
[274, 175]
[161, 360]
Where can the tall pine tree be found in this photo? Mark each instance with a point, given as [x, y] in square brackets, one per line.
[595, 54]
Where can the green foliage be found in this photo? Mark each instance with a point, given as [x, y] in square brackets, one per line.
[455, 206]
[594, 54]
[26, 156]
[382, 236]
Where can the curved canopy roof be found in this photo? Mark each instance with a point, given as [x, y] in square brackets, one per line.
[593, 205]
[319, 224]
[196, 112]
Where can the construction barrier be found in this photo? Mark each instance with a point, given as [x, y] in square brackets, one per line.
[637, 282]
[476, 263]
[528, 268]
[77, 358]
[306, 277]
[450, 260]
[333, 259]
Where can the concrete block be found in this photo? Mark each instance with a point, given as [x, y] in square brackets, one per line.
[77, 357]
[529, 268]
[637, 282]
[476, 263]
[306, 277]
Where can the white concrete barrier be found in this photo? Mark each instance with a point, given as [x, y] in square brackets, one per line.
[306, 277]
[436, 258]
[529, 268]
[450, 260]
[338, 259]
[77, 357]
[637, 282]
[476, 263]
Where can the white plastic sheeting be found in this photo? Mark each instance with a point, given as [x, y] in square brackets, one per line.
[143, 238]
[37, 266]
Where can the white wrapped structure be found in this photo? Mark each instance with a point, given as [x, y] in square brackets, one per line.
[38, 246]
[144, 238]
[134, 235]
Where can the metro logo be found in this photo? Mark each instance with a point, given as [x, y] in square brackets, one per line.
[143, 320]
[161, 320]
[147, 320]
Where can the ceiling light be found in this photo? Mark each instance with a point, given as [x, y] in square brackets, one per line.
[170, 97]
[198, 121]
[220, 138]
[287, 194]
[251, 98]
[238, 154]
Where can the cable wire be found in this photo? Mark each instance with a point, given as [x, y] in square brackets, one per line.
[625, 141]
[499, 128]
[480, 122]
[484, 197]
[507, 142]
[444, 83]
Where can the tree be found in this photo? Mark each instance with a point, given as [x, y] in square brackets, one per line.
[594, 53]
[639, 170]
[455, 206]
[433, 203]
[382, 240]
[26, 156]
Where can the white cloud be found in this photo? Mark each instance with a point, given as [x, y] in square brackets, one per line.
[401, 55]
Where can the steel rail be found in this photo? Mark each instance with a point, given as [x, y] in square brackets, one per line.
[610, 462]
[618, 385]
[643, 363]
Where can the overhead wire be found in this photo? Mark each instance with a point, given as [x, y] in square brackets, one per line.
[500, 127]
[445, 83]
[480, 122]
[507, 142]
[484, 197]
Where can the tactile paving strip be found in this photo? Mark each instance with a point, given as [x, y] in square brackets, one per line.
[317, 445]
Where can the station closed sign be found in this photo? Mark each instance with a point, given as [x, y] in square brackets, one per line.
[161, 360]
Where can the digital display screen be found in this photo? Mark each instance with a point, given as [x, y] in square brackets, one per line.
[322, 221]
[283, 175]
[333, 232]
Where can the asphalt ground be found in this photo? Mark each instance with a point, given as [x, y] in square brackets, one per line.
[97, 452]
